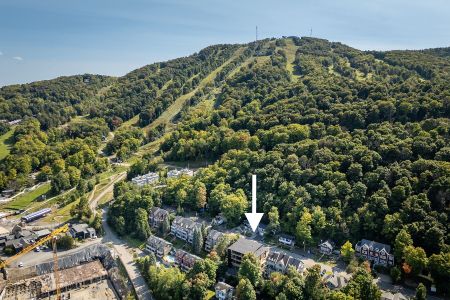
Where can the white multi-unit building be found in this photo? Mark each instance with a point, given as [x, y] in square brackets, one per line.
[183, 228]
[177, 173]
[148, 178]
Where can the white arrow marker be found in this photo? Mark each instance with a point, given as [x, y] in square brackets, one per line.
[254, 218]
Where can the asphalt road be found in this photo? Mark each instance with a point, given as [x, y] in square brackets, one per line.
[124, 252]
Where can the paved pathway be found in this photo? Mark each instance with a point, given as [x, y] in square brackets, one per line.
[139, 284]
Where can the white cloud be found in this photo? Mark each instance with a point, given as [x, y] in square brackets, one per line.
[19, 58]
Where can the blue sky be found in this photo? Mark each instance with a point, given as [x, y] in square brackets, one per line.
[49, 38]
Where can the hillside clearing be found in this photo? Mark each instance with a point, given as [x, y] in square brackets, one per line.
[5, 143]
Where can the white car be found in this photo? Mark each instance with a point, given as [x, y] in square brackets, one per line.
[20, 264]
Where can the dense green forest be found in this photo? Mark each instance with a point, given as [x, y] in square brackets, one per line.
[346, 144]
[364, 136]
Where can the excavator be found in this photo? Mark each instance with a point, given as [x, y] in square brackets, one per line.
[51, 237]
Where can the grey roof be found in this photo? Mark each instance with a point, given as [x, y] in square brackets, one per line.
[42, 233]
[327, 244]
[285, 259]
[279, 257]
[372, 245]
[157, 241]
[296, 263]
[186, 223]
[244, 246]
[156, 211]
[184, 254]
[223, 286]
[80, 227]
[214, 234]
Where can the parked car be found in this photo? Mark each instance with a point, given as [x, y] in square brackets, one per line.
[20, 264]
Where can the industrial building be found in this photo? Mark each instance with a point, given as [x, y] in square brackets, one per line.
[91, 273]
[36, 215]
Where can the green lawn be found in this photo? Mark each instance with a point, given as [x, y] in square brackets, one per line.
[62, 214]
[5, 143]
[24, 200]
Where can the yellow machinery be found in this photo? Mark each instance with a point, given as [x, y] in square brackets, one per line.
[52, 236]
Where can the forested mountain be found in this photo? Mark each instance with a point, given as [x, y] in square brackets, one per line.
[360, 140]
[52, 102]
[346, 144]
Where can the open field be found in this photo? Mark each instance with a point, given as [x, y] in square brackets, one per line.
[24, 200]
[5, 143]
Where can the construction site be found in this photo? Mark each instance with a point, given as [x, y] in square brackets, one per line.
[90, 273]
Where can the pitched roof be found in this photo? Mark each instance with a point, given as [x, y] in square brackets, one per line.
[295, 262]
[186, 223]
[223, 286]
[80, 227]
[327, 244]
[154, 240]
[214, 234]
[372, 245]
[157, 211]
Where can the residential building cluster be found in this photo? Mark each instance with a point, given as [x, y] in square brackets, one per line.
[376, 252]
[177, 173]
[184, 228]
[159, 246]
[19, 237]
[281, 262]
[272, 261]
[146, 179]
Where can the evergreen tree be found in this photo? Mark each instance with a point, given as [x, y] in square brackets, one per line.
[142, 227]
[197, 241]
[165, 226]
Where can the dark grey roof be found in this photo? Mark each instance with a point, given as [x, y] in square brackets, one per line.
[244, 246]
[186, 223]
[80, 227]
[156, 211]
[214, 234]
[372, 245]
[296, 263]
[154, 240]
[42, 233]
[327, 244]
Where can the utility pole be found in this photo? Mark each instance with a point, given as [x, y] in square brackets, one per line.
[256, 33]
[310, 32]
